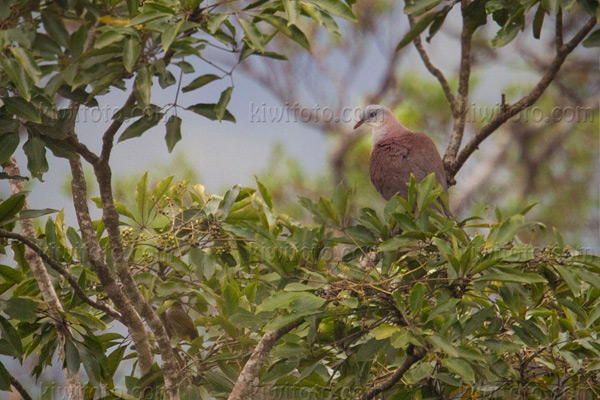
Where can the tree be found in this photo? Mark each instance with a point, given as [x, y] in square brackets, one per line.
[342, 307]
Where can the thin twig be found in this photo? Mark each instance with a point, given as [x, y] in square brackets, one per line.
[463, 92]
[22, 391]
[434, 71]
[412, 357]
[524, 102]
[63, 272]
[243, 385]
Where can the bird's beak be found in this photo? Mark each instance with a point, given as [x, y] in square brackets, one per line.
[359, 123]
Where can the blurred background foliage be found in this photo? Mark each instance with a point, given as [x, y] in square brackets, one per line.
[549, 161]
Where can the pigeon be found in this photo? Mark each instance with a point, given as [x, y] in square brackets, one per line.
[399, 152]
[180, 323]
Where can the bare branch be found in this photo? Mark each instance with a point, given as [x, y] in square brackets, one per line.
[559, 30]
[434, 71]
[40, 273]
[130, 317]
[99, 305]
[412, 356]
[243, 386]
[526, 101]
[82, 149]
[17, 385]
[110, 217]
[109, 135]
[463, 92]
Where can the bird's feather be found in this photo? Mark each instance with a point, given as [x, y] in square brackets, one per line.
[400, 154]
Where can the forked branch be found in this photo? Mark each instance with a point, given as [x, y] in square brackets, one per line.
[99, 305]
[509, 110]
[243, 386]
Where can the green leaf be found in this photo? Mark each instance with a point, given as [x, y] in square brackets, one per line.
[510, 30]
[107, 38]
[538, 21]
[72, 356]
[418, 28]
[131, 52]
[228, 200]
[477, 16]
[146, 17]
[443, 344]
[460, 367]
[186, 67]
[22, 109]
[215, 22]
[11, 206]
[293, 32]
[142, 196]
[5, 383]
[289, 301]
[143, 85]
[221, 106]
[20, 308]
[513, 277]
[337, 8]
[90, 363]
[255, 38]
[9, 333]
[417, 296]
[140, 126]
[8, 144]
[173, 132]
[9, 125]
[18, 77]
[593, 40]
[200, 81]
[208, 110]
[28, 63]
[10, 274]
[385, 331]
[55, 28]
[292, 8]
[35, 150]
[264, 192]
[570, 278]
[170, 34]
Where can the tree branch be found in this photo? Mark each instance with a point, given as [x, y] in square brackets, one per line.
[82, 149]
[42, 278]
[463, 92]
[17, 385]
[99, 305]
[434, 71]
[110, 217]
[559, 30]
[109, 135]
[130, 317]
[412, 356]
[243, 385]
[511, 110]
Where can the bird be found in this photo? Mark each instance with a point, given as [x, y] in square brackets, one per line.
[180, 323]
[399, 152]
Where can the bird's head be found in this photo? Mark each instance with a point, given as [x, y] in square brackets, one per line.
[374, 116]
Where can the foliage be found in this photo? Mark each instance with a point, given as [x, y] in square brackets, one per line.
[82, 50]
[510, 16]
[488, 314]
[405, 300]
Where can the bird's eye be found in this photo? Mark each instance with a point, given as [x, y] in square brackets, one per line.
[372, 114]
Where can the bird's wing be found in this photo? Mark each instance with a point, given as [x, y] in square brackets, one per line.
[388, 167]
[394, 159]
